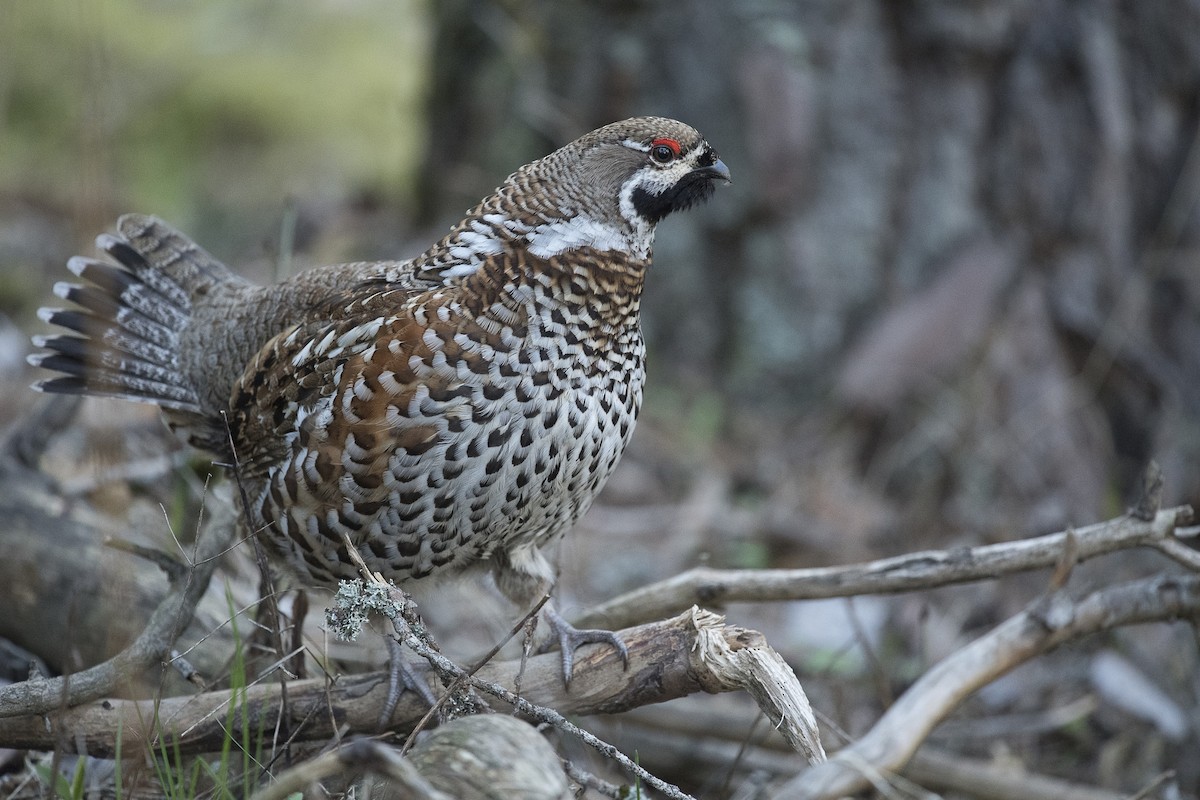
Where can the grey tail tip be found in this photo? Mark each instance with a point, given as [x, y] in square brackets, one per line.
[121, 334]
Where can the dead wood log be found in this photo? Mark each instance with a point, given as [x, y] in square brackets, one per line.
[693, 652]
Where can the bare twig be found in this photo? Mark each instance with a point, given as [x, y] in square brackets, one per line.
[171, 566]
[1153, 786]
[1179, 552]
[186, 670]
[590, 781]
[1046, 624]
[924, 570]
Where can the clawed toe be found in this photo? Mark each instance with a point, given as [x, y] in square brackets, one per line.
[570, 638]
[401, 676]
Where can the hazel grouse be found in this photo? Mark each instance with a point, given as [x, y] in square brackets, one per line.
[460, 408]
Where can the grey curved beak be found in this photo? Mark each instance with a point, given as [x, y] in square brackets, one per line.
[717, 170]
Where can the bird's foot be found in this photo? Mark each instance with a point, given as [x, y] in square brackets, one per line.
[570, 638]
[401, 676]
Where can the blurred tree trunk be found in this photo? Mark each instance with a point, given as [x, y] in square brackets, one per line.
[971, 226]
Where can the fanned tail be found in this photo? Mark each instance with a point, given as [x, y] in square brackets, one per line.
[130, 317]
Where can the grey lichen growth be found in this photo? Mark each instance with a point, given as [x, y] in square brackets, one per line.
[352, 607]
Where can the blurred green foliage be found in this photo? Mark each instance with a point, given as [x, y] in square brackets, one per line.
[174, 107]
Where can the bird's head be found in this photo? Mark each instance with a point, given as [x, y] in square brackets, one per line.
[609, 188]
[605, 191]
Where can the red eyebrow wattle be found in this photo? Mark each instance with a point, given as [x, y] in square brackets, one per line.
[671, 143]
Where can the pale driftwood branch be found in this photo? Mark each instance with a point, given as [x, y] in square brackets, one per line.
[925, 570]
[1046, 624]
[667, 660]
[1180, 553]
[759, 670]
[667, 740]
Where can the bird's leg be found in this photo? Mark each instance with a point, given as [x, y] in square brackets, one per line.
[527, 648]
[523, 574]
[401, 676]
[570, 638]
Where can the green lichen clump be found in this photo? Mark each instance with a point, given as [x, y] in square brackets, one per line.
[352, 607]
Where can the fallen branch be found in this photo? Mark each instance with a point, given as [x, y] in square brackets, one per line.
[691, 653]
[769, 679]
[667, 740]
[924, 570]
[1046, 624]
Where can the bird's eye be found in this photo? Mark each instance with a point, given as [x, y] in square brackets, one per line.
[664, 151]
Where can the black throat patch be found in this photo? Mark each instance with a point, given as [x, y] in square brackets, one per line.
[694, 187]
